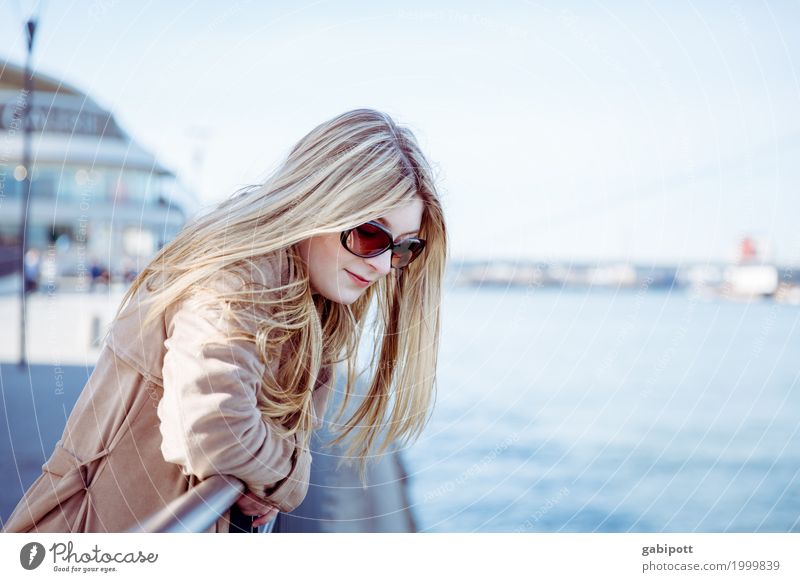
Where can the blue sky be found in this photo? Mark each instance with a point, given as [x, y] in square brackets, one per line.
[559, 130]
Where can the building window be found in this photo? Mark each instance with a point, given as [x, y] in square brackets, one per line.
[44, 183]
[9, 186]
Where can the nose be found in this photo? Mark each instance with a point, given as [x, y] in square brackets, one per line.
[381, 264]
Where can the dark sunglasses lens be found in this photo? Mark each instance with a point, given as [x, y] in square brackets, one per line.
[366, 240]
[406, 252]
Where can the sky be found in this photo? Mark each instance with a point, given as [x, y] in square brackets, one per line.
[565, 131]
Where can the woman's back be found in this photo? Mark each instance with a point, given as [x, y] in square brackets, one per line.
[127, 450]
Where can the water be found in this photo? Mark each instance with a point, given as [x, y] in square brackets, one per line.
[603, 411]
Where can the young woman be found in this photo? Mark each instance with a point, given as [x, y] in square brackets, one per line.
[220, 359]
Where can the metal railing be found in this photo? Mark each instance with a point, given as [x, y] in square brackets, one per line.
[200, 507]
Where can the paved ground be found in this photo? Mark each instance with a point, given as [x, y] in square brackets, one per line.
[36, 400]
[61, 326]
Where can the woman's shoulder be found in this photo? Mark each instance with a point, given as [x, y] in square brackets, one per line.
[235, 298]
[262, 272]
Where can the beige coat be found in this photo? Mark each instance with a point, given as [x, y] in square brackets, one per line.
[164, 408]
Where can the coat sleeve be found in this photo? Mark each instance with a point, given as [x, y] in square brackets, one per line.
[209, 419]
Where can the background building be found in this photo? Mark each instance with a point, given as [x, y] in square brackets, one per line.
[98, 198]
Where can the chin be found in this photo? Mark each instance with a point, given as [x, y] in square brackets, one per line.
[347, 299]
[342, 300]
[339, 297]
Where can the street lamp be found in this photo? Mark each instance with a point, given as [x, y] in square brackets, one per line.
[30, 29]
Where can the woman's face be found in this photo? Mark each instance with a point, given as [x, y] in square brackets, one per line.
[332, 267]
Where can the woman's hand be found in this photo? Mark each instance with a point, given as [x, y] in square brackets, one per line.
[251, 504]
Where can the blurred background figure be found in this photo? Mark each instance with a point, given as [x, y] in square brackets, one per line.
[32, 270]
[129, 271]
[99, 275]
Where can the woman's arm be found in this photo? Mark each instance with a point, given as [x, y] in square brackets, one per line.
[210, 422]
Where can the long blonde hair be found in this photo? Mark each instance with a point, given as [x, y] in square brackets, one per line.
[346, 171]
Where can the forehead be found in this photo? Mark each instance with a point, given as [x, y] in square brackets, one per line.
[406, 219]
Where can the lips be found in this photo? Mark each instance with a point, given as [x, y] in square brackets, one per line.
[359, 278]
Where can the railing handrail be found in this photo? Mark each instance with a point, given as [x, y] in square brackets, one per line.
[197, 509]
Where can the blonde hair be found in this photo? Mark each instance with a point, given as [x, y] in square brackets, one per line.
[346, 171]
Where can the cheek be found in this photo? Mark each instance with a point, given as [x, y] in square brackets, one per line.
[340, 257]
[327, 258]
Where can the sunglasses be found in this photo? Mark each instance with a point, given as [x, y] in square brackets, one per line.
[372, 239]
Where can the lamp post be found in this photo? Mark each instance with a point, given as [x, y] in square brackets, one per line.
[30, 29]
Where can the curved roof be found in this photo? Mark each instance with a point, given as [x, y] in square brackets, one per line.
[68, 126]
[12, 76]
